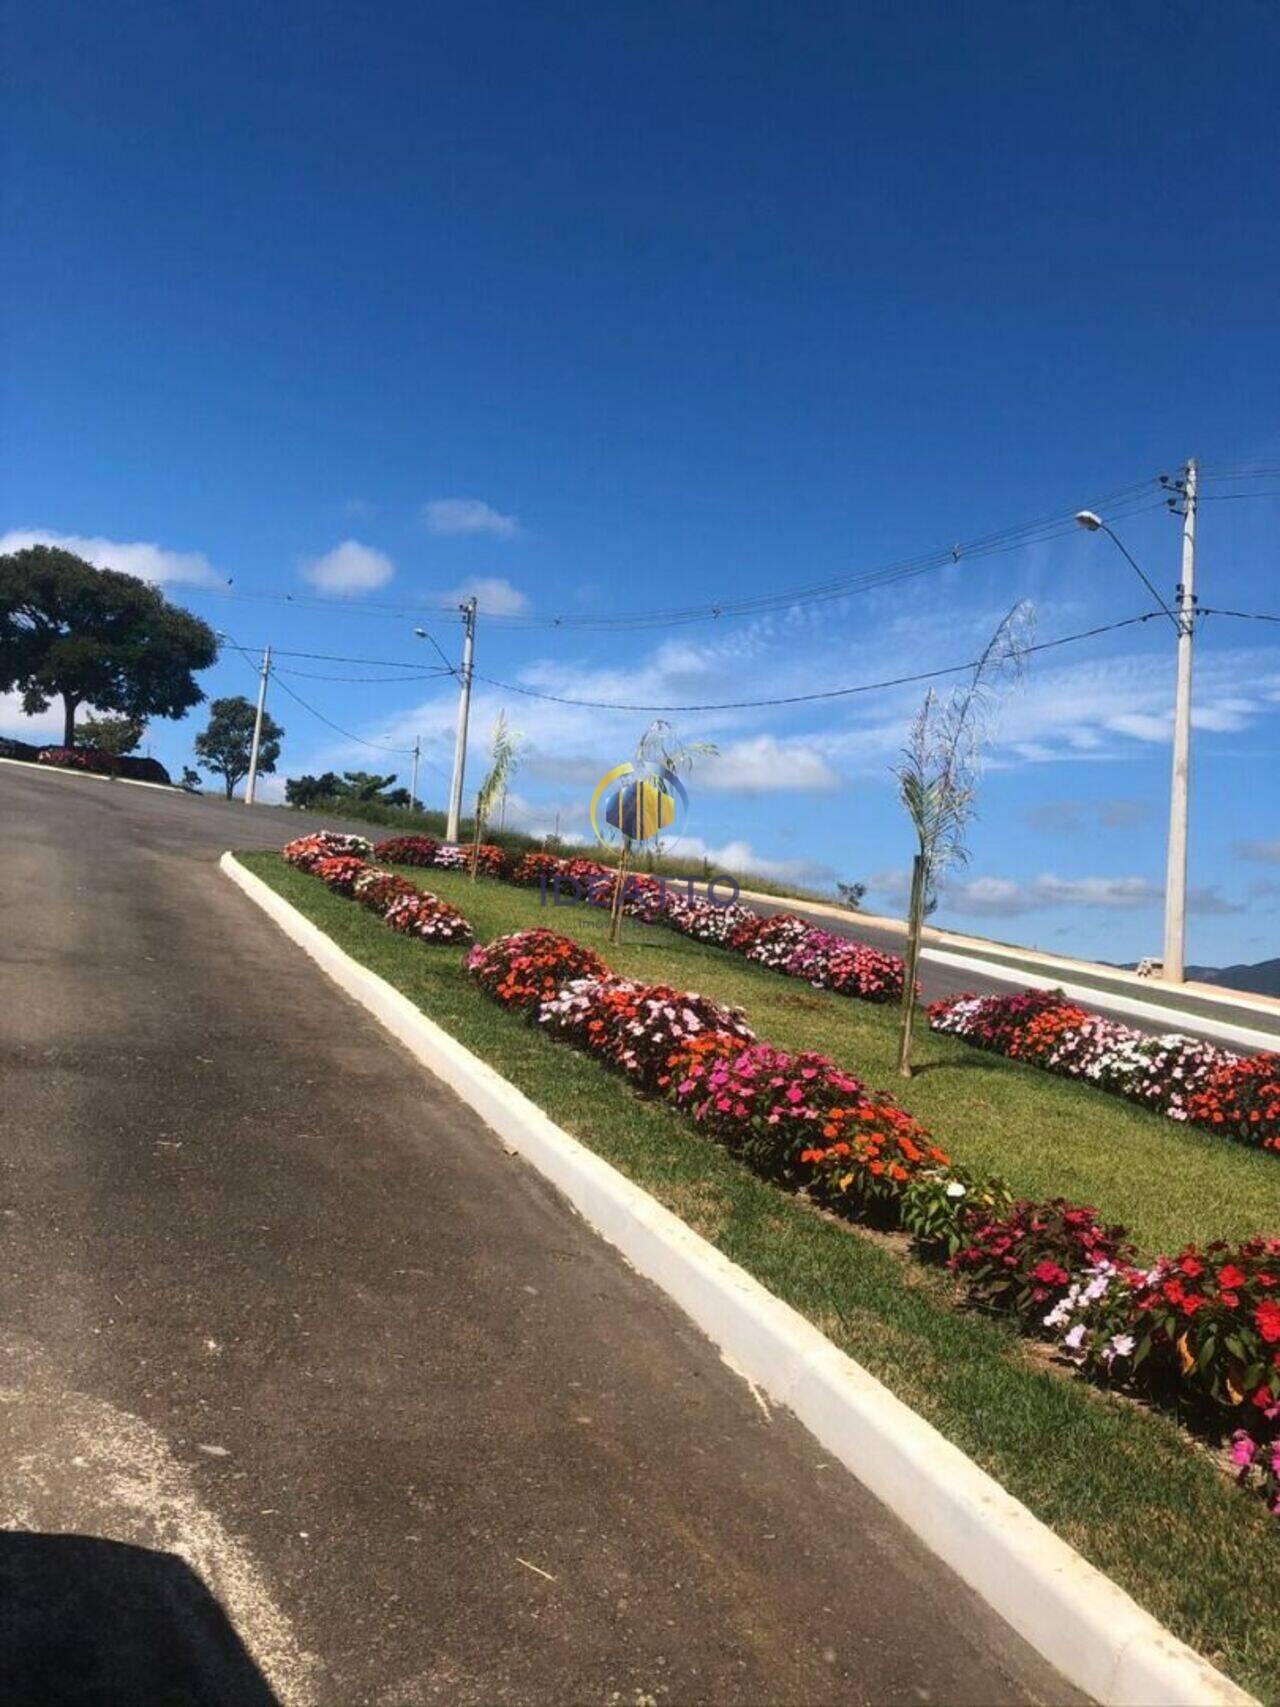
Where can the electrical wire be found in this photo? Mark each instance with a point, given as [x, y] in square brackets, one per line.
[1120, 504]
[377, 746]
[391, 681]
[825, 693]
[1244, 615]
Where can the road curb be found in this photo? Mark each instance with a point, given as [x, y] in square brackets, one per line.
[1096, 1636]
[92, 776]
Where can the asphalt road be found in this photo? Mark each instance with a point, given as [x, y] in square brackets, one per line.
[313, 1393]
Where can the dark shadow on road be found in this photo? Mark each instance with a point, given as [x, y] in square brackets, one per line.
[90, 1623]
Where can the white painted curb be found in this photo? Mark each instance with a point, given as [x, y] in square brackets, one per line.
[92, 776]
[1096, 1636]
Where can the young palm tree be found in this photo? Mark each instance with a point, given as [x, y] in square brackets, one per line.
[504, 757]
[938, 779]
[660, 755]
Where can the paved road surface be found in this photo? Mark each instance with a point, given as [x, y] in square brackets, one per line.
[311, 1390]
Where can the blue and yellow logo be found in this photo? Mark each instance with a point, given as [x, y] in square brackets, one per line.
[637, 804]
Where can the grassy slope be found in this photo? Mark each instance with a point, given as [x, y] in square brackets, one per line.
[1120, 1484]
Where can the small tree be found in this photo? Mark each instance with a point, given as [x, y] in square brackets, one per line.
[224, 746]
[851, 895]
[306, 791]
[937, 783]
[95, 637]
[190, 783]
[115, 735]
[661, 757]
[504, 757]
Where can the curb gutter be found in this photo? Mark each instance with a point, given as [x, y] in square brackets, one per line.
[1096, 1636]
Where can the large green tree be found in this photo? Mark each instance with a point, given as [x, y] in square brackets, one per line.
[95, 637]
[225, 745]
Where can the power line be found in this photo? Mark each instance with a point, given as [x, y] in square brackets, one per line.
[391, 681]
[377, 746]
[1244, 615]
[1124, 502]
[826, 693]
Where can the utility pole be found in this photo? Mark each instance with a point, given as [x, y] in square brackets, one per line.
[251, 784]
[464, 712]
[1175, 883]
[413, 780]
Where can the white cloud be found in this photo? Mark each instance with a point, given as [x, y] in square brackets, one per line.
[740, 857]
[14, 720]
[1267, 852]
[464, 516]
[494, 596]
[149, 562]
[764, 765]
[349, 568]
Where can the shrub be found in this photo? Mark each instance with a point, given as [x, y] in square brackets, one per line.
[774, 940]
[1024, 1262]
[526, 968]
[339, 872]
[800, 1118]
[1181, 1077]
[936, 1203]
[636, 1027]
[1241, 1098]
[705, 922]
[90, 759]
[377, 889]
[407, 850]
[1209, 1320]
[531, 868]
[425, 916]
[306, 851]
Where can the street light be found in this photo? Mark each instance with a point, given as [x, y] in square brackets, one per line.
[1183, 620]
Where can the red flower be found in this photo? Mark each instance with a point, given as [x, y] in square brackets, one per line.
[1230, 1277]
[1050, 1273]
[1267, 1317]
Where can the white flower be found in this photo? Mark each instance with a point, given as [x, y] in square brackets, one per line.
[955, 1189]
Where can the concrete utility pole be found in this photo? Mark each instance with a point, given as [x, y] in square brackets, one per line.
[252, 781]
[464, 712]
[1175, 883]
[413, 779]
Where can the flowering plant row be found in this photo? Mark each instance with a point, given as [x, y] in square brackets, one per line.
[1199, 1331]
[784, 942]
[91, 759]
[1182, 1077]
[341, 864]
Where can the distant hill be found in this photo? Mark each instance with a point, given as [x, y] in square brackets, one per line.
[1262, 978]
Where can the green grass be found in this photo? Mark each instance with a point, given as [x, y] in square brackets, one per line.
[1121, 1484]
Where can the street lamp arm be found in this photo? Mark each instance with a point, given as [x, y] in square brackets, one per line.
[1143, 577]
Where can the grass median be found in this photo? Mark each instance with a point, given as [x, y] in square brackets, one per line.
[1121, 1484]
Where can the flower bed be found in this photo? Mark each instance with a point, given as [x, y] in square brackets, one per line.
[528, 968]
[784, 942]
[341, 864]
[425, 916]
[1181, 1077]
[1199, 1331]
[636, 1027]
[90, 759]
[305, 851]
[408, 850]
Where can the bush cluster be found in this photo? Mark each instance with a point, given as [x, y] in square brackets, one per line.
[1184, 1078]
[342, 865]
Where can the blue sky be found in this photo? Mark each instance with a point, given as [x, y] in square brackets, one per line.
[613, 309]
